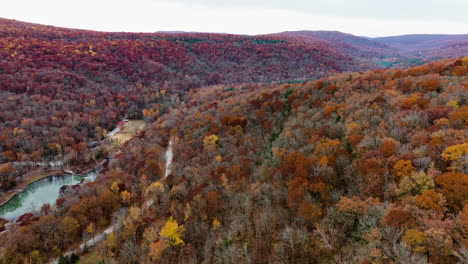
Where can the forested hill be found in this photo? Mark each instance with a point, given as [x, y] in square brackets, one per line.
[359, 47]
[352, 168]
[163, 60]
[63, 88]
[280, 153]
[396, 51]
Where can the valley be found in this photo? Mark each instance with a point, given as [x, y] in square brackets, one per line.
[295, 147]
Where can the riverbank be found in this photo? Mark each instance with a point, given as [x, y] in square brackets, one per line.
[46, 173]
[128, 131]
[32, 178]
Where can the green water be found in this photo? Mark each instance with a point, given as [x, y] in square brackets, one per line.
[39, 193]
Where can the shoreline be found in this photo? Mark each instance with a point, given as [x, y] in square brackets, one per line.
[79, 169]
[49, 174]
[20, 188]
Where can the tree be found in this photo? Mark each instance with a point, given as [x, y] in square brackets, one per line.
[5, 171]
[459, 117]
[212, 204]
[71, 228]
[156, 249]
[462, 221]
[353, 129]
[295, 165]
[439, 242]
[154, 188]
[126, 196]
[403, 168]
[414, 239]
[151, 234]
[310, 212]
[172, 233]
[415, 184]
[430, 199]
[456, 155]
[111, 243]
[355, 206]
[430, 85]
[115, 187]
[454, 186]
[398, 218]
[405, 85]
[90, 229]
[210, 142]
[388, 147]
[35, 257]
[296, 192]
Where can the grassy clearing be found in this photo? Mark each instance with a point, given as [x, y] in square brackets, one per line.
[130, 130]
[91, 257]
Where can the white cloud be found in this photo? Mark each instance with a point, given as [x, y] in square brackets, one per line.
[152, 15]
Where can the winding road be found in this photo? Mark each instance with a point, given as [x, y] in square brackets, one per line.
[97, 238]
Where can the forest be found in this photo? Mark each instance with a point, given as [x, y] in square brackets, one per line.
[284, 151]
[62, 89]
[352, 168]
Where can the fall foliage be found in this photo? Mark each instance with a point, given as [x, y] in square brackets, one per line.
[364, 167]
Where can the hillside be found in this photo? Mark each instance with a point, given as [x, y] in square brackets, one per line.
[62, 88]
[384, 52]
[349, 44]
[421, 42]
[352, 168]
[424, 48]
[280, 148]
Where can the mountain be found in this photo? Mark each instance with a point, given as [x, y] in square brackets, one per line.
[349, 44]
[428, 46]
[55, 78]
[397, 51]
[354, 167]
[421, 41]
[278, 148]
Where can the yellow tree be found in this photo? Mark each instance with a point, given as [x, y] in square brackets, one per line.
[209, 142]
[172, 232]
[414, 239]
[70, 227]
[154, 188]
[456, 156]
[111, 243]
[115, 187]
[90, 228]
[126, 196]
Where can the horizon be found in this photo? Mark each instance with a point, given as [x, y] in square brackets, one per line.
[258, 17]
[240, 34]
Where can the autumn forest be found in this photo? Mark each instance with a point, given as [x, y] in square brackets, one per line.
[296, 147]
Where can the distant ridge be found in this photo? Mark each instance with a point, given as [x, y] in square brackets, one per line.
[344, 42]
[422, 41]
[394, 51]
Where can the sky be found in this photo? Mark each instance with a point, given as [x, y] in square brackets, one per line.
[372, 18]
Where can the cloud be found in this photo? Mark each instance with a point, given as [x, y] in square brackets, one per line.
[240, 17]
[427, 10]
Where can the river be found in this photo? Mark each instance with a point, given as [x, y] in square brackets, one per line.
[35, 195]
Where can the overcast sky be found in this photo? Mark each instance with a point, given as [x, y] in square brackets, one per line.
[359, 17]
